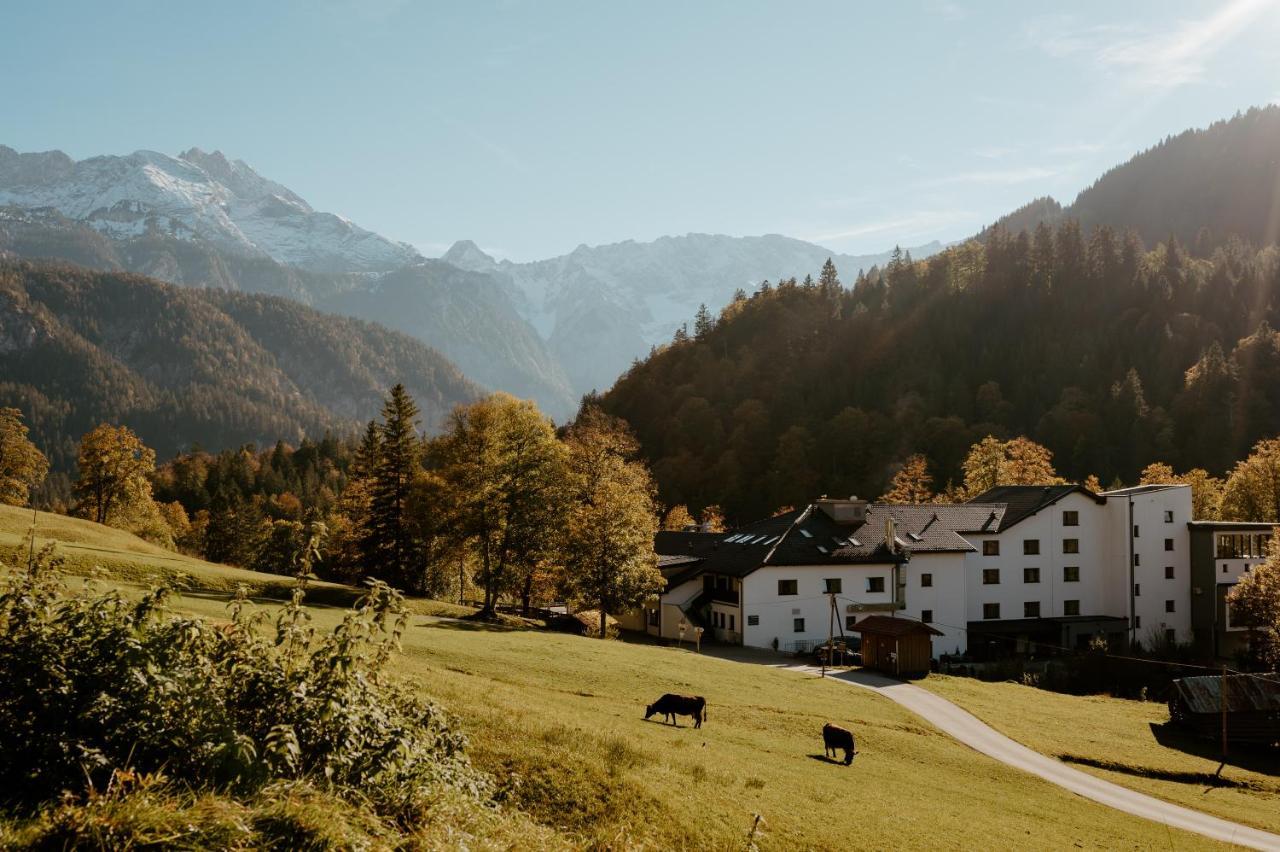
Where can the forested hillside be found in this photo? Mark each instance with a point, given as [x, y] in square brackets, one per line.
[1201, 186]
[188, 366]
[1110, 354]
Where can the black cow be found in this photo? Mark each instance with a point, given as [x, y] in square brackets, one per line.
[835, 737]
[672, 705]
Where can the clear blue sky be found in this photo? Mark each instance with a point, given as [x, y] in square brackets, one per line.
[531, 127]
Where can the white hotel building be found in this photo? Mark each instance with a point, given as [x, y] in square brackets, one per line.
[1016, 567]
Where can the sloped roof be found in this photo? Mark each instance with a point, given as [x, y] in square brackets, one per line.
[1243, 693]
[1023, 501]
[886, 625]
[810, 536]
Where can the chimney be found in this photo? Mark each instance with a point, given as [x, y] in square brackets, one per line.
[890, 533]
[847, 513]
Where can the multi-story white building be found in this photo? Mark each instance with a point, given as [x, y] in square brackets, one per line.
[1015, 568]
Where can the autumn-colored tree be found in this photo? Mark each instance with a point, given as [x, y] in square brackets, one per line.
[1093, 483]
[912, 483]
[1206, 490]
[22, 465]
[503, 473]
[1252, 492]
[678, 518]
[608, 542]
[113, 487]
[1255, 602]
[711, 519]
[1020, 461]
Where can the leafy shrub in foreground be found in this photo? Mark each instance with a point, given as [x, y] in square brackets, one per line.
[93, 684]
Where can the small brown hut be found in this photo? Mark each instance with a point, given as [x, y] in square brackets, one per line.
[901, 647]
[1248, 705]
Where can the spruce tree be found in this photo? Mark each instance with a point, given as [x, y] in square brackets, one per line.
[389, 540]
[702, 322]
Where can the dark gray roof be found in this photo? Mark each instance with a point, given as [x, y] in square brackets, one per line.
[1023, 501]
[809, 536]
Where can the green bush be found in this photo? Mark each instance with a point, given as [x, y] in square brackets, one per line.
[93, 685]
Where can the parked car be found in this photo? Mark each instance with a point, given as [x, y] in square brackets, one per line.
[846, 652]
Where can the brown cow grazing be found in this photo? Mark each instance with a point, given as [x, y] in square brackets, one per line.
[672, 705]
[835, 737]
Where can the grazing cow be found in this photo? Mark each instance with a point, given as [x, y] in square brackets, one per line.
[835, 737]
[672, 705]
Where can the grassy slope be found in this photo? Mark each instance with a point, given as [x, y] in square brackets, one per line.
[92, 549]
[558, 718]
[1113, 739]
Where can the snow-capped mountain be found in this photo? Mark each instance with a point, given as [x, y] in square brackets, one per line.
[601, 307]
[195, 196]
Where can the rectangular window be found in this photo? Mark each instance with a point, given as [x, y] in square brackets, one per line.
[1137, 590]
[1135, 530]
[798, 625]
[1168, 606]
[1137, 559]
[1137, 621]
[1168, 516]
[926, 580]
[875, 584]
[850, 622]
[990, 576]
[926, 615]
[1031, 575]
[991, 547]
[1031, 609]
[1071, 607]
[1071, 573]
[786, 587]
[753, 621]
[991, 610]
[1168, 572]
[1031, 547]
[731, 619]
[1071, 518]
[832, 585]
[1168, 544]
[1071, 545]
[1171, 636]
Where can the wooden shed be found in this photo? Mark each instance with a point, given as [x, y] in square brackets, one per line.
[1249, 705]
[901, 647]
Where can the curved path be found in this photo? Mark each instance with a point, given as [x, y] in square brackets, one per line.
[968, 729]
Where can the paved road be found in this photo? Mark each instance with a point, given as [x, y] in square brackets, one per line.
[976, 734]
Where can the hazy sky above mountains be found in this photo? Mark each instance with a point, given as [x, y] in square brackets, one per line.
[530, 127]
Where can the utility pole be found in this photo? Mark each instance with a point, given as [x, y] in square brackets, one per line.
[826, 654]
[1222, 696]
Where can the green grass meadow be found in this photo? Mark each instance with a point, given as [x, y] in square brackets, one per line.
[557, 720]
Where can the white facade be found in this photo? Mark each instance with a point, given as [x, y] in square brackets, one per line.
[1119, 562]
[1155, 524]
[1036, 575]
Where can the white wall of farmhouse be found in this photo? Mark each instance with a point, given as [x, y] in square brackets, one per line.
[1047, 584]
[942, 602]
[777, 613]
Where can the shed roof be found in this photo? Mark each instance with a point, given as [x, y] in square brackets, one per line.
[886, 625]
[1243, 693]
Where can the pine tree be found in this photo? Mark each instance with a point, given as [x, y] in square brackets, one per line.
[828, 280]
[389, 541]
[702, 322]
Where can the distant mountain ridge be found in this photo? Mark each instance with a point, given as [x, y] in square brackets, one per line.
[549, 330]
[186, 366]
[195, 195]
[601, 307]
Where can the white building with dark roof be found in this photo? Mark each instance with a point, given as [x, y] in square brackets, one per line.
[1016, 568]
